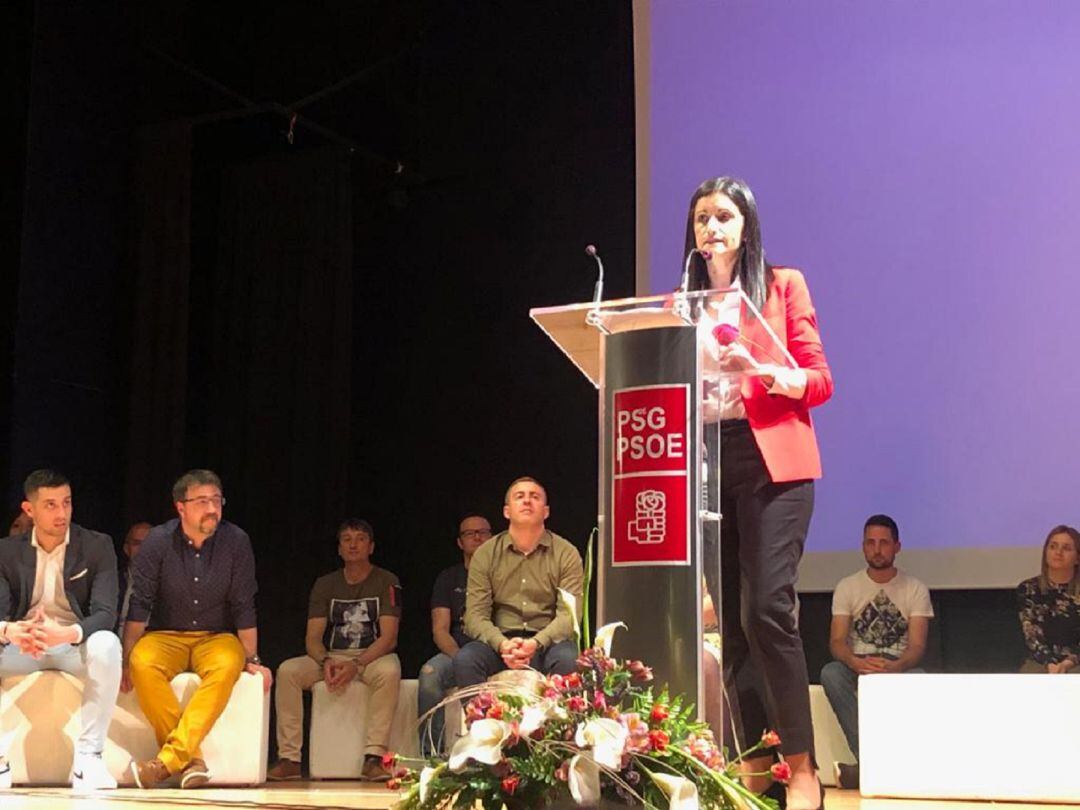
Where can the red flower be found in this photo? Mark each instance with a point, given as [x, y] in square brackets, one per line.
[388, 760]
[781, 771]
[562, 773]
[576, 703]
[393, 784]
[659, 713]
[770, 739]
[510, 784]
[573, 681]
[599, 701]
[659, 739]
[495, 712]
[725, 334]
[556, 681]
[639, 672]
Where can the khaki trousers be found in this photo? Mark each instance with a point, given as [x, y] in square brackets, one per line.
[382, 676]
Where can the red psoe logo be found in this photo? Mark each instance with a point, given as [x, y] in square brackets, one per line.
[651, 476]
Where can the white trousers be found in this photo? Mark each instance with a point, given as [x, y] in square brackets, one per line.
[96, 662]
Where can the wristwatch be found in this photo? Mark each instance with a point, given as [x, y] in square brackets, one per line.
[254, 659]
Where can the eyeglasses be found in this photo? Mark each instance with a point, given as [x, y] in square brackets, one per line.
[206, 502]
[469, 534]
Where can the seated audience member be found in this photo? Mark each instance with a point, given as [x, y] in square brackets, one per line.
[352, 632]
[880, 620]
[58, 603]
[133, 541]
[448, 631]
[1049, 606]
[512, 606]
[21, 523]
[192, 609]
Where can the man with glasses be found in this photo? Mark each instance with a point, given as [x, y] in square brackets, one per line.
[448, 630]
[194, 582]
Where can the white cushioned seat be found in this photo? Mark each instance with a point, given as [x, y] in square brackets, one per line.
[42, 711]
[339, 728]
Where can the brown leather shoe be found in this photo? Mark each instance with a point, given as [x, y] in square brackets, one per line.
[284, 770]
[373, 770]
[195, 775]
[149, 773]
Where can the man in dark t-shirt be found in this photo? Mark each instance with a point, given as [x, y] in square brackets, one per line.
[352, 629]
[448, 631]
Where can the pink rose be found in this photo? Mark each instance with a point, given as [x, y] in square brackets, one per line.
[725, 334]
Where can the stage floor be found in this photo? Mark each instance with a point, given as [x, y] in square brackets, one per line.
[335, 795]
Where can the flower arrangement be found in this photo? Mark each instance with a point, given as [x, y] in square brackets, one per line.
[599, 732]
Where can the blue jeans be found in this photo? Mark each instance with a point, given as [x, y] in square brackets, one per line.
[436, 680]
[477, 661]
[841, 686]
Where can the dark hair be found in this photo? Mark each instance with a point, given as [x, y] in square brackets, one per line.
[521, 480]
[884, 521]
[356, 525]
[49, 479]
[194, 478]
[1044, 576]
[752, 271]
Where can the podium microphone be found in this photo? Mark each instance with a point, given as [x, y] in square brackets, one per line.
[598, 289]
[686, 266]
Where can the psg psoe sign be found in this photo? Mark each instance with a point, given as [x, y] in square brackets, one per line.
[651, 481]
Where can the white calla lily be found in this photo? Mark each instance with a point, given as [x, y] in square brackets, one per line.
[426, 776]
[536, 715]
[681, 792]
[605, 634]
[606, 738]
[583, 779]
[483, 743]
[569, 601]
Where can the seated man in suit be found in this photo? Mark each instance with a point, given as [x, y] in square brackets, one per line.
[194, 583]
[58, 605]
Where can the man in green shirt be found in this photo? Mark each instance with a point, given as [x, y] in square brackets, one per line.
[512, 606]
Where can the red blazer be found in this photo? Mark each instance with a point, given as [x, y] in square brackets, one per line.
[781, 425]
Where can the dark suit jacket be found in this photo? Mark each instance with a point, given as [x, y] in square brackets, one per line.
[89, 578]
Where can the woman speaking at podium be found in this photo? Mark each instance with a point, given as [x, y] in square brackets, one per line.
[762, 431]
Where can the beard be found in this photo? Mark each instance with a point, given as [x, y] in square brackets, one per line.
[880, 564]
[207, 523]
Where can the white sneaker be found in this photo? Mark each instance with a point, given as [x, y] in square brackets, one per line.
[88, 772]
[5, 774]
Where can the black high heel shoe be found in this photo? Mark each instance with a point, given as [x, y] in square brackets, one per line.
[778, 793]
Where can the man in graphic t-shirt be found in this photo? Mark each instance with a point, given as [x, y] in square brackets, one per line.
[352, 629]
[880, 620]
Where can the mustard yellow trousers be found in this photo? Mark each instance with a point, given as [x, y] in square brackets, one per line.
[161, 655]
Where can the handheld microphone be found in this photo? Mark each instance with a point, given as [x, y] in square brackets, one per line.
[706, 255]
[598, 289]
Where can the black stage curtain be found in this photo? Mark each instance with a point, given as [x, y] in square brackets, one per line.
[159, 325]
[269, 366]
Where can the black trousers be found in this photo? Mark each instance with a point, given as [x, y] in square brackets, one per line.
[762, 535]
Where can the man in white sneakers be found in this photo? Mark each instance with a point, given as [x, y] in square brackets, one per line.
[880, 620]
[58, 608]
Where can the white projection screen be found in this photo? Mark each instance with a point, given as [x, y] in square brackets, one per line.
[920, 162]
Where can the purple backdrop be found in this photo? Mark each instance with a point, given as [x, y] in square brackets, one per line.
[920, 161]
